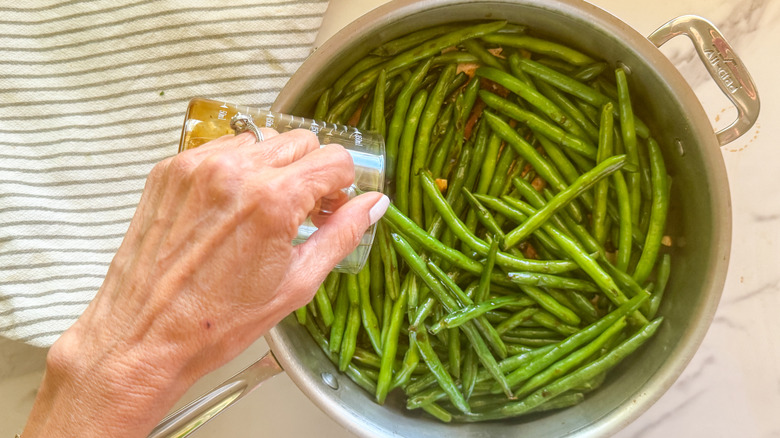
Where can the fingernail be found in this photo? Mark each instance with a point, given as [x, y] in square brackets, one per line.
[379, 209]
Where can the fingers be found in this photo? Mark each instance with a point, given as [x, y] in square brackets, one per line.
[339, 235]
[319, 174]
[282, 150]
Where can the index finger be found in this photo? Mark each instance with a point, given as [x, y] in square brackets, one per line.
[319, 174]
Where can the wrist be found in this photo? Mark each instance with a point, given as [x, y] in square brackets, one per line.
[89, 391]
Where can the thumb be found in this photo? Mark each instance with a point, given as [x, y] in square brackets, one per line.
[335, 238]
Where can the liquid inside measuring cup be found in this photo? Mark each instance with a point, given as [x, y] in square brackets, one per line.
[206, 120]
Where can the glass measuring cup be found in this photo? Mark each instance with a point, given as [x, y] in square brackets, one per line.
[206, 120]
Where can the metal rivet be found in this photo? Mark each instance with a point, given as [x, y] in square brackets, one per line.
[330, 380]
[680, 147]
[625, 67]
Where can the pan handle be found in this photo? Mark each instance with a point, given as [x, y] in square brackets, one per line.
[187, 419]
[725, 67]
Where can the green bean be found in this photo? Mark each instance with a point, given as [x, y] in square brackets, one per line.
[624, 280]
[480, 146]
[645, 175]
[528, 342]
[323, 305]
[366, 358]
[503, 168]
[517, 170]
[547, 319]
[321, 110]
[409, 364]
[627, 129]
[485, 58]
[390, 262]
[490, 334]
[540, 46]
[397, 122]
[405, 151]
[564, 166]
[422, 142]
[367, 315]
[443, 151]
[455, 58]
[576, 88]
[584, 260]
[339, 318]
[570, 381]
[599, 213]
[454, 351]
[426, 50]
[658, 214]
[483, 287]
[563, 298]
[332, 285]
[423, 311]
[574, 341]
[586, 308]
[376, 286]
[349, 342]
[489, 163]
[662, 277]
[342, 110]
[555, 281]
[417, 265]
[570, 109]
[628, 133]
[438, 412]
[465, 314]
[454, 87]
[525, 150]
[625, 226]
[389, 348]
[575, 359]
[534, 332]
[535, 99]
[584, 182]
[515, 320]
[516, 216]
[484, 216]
[457, 180]
[535, 122]
[457, 226]
[590, 72]
[364, 118]
[400, 222]
[469, 373]
[551, 305]
[413, 299]
[413, 39]
[387, 310]
[451, 148]
[378, 107]
[300, 315]
[365, 65]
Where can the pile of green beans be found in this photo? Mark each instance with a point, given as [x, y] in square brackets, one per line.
[522, 256]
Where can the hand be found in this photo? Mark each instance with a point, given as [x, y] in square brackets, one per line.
[206, 268]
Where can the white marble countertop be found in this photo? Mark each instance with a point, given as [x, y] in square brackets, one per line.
[731, 388]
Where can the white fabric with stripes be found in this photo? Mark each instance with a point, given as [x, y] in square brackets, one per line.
[92, 95]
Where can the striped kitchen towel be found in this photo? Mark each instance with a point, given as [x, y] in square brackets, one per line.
[92, 95]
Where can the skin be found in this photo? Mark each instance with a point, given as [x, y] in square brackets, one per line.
[206, 268]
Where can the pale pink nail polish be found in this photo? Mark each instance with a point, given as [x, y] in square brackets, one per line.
[379, 209]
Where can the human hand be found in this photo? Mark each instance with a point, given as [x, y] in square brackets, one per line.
[206, 268]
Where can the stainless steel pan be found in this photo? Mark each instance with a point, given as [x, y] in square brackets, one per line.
[700, 218]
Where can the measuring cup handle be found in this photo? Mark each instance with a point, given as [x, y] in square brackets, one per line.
[190, 417]
[725, 67]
